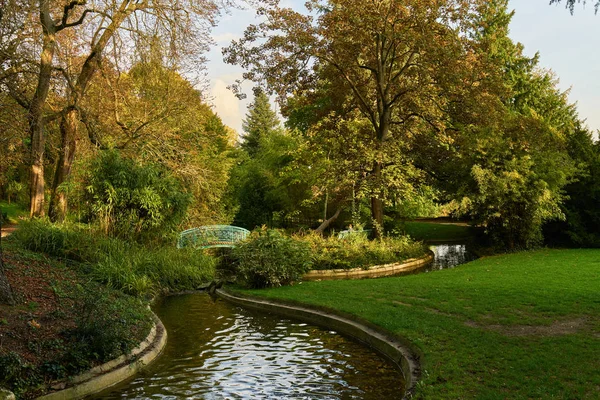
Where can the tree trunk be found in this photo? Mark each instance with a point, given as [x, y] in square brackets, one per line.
[68, 127]
[36, 110]
[328, 222]
[377, 204]
[58, 201]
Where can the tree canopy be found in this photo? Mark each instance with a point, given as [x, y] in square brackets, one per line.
[386, 57]
[570, 4]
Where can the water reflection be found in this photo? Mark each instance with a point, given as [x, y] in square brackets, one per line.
[218, 351]
[449, 256]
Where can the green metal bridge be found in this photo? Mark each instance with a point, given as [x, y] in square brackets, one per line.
[211, 236]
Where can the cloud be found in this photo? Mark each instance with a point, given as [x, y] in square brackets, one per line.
[226, 105]
[225, 38]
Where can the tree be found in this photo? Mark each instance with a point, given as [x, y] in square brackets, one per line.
[153, 114]
[260, 121]
[131, 200]
[265, 186]
[581, 226]
[386, 55]
[96, 28]
[570, 4]
[510, 157]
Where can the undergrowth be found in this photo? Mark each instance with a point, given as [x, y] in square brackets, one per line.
[132, 268]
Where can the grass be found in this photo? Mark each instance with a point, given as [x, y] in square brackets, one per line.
[519, 326]
[13, 211]
[434, 231]
[129, 267]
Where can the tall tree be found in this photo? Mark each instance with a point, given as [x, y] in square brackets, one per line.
[260, 121]
[385, 53]
[153, 114]
[264, 186]
[511, 161]
[97, 27]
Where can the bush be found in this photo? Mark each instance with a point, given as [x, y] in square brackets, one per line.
[357, 251]
[131, 268]
[269, 259]
[134, 201]
[104, 327]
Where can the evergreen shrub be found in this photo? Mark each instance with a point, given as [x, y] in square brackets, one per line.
[268, 258]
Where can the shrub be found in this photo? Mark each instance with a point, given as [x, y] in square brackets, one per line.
[269, 259]
[134, 201]
[16, 373]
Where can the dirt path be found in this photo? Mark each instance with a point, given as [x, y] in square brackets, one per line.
[7, 230]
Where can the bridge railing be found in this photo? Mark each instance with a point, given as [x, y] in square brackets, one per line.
[208, 236]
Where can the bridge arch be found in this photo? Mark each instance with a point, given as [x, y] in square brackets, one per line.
[211, 236]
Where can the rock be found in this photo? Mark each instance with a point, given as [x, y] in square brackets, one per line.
[59, 386]
[6, 394]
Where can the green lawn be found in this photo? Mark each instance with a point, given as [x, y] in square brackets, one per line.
[434, 231]
[13, 211]
[519, 326]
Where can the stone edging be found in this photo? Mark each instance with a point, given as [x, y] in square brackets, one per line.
[117, 370]
[400, 351]
[373, 272]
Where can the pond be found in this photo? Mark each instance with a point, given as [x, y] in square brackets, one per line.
[219, 351]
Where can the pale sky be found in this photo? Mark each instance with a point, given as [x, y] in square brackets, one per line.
[568, 45]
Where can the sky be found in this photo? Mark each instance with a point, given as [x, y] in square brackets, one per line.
[568, 45]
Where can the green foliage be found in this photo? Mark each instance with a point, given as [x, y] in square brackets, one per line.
[357, 251]
[142, 271]
[260, 122]
[436, 231]
[265, 186]
[12, 212]
[508, 166]
[570, 4]
[134, 201]
[581, 227]
[421, 205]
[268, 258]
[104, 327]
[132, 268]
[16, 373]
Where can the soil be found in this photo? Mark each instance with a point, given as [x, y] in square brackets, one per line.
[34, 328]
[39, 315]
[38, 328]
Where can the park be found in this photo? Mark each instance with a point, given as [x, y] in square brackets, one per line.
[410, 209]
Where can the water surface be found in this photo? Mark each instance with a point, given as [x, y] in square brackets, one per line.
[449, 256]
[219, 351]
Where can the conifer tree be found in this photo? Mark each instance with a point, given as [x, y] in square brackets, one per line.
[260, 121]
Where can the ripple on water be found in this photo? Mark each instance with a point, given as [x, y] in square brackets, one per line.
[219, 351]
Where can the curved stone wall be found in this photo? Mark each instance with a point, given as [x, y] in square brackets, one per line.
[108, 374]
[373, 272]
